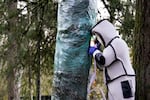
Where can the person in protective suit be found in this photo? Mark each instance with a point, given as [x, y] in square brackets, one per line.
[119, 76]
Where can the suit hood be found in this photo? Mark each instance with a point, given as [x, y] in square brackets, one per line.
[106, 31]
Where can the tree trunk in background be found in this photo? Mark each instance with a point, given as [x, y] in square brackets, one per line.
[39, 25]
[13, 89]
[72, 61]
[142, 49]
[30, 83]
[38, 74]
[13, 73]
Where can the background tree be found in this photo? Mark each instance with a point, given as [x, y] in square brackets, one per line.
[12, 50]
[21, 26]
[122, 14]
[41, 38]
[142, 49]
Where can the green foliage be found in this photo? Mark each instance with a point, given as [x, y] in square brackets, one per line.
[122, 13]
[32, 34]
[115, 7]
[26, 32]
[128, 22]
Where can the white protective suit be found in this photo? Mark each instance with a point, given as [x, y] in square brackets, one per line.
[118, 72]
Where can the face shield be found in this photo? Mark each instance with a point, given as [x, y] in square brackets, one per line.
[99, 39]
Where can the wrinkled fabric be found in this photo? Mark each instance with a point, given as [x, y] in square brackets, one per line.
[72, 62]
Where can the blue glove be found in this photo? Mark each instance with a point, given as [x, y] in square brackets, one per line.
[92, 50]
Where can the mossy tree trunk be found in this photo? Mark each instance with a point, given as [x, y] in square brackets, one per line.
[72, 61]
[141, 49]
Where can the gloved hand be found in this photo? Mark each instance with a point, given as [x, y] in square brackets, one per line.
[92, 50]
[93, 45]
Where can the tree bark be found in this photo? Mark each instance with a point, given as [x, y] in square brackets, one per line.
[13, 73]
[72, 61]
[141, 48]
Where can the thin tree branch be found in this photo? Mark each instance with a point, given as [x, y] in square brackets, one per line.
[106, 6]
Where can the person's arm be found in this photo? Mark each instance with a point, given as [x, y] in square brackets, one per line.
[106, 57]
[100, 59]
[95, 52]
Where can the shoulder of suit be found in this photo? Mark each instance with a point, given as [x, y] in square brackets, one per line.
[118, 42]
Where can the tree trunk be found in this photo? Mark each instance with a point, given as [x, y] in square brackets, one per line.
[38, 74]
[13, 86]
[72, 61]
[30, 84]
[142, 49]
[39, 17]
[13, 73]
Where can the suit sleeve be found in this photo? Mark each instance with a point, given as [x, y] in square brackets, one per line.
[106, 57]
